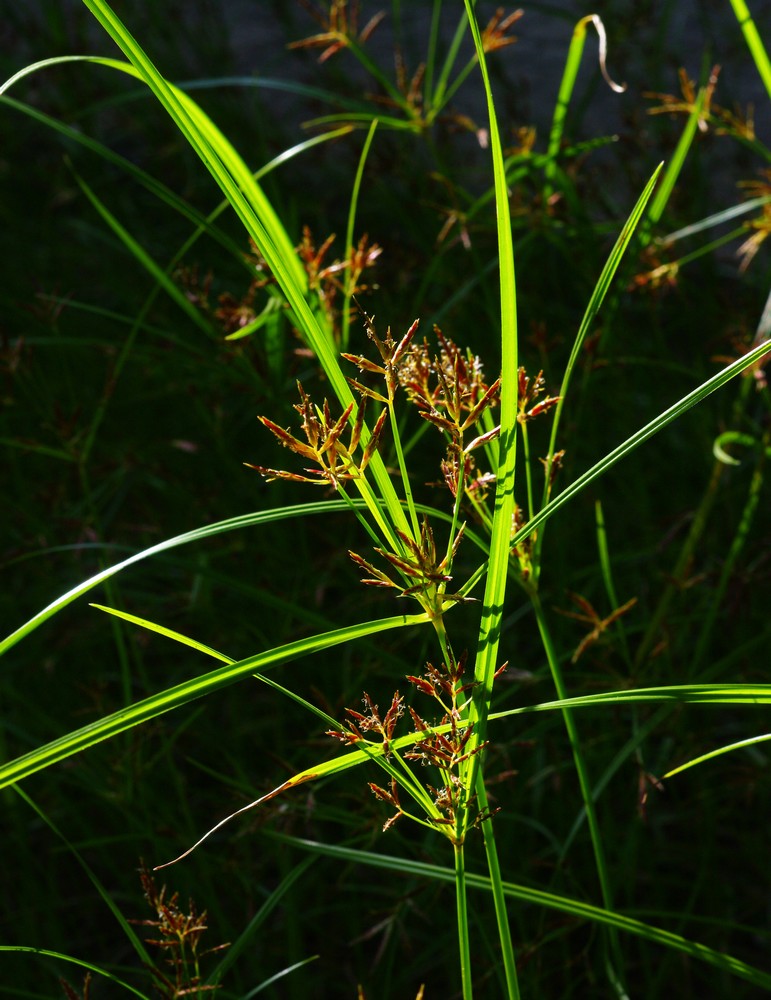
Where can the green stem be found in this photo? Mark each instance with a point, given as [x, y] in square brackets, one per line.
[345, 322]
[463, 929]
[405, 477]
[567, 86]
[442, 92]
[499, 899]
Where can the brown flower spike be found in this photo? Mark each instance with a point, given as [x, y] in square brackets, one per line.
[335, 460]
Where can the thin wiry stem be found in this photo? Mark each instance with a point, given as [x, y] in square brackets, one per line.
[464, 945]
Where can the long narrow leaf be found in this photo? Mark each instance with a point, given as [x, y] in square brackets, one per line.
[639, 437]
[497, 572]
[70, 959]
[754, 42]
[260, 221]
[718, 753]
[181, 694]
[500, 537]
[549, 900]
[598, 295]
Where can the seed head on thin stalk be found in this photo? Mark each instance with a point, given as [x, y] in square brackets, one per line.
[391, 355]
[442, 746]
[333, 279]
[588, 616]
[334, 460]
[426, 575]
[494, 35]
[339, 27]
[178, 936]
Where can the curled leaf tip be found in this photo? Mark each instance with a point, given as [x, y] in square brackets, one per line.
[596, 20]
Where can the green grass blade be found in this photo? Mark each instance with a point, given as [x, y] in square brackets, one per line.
[196, 535]
[565, 93]
[675, 166]
[185, 640]
[754, 42]
[718, 753]
[75, 961]
[497, 567]
[640, 437]
[497, 574]
[694, 694]
[181, 694]
[596, 300]
[444, 91]
[563, 904]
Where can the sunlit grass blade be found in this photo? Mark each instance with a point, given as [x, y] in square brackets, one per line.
[361, 120]
[718, 753]
[563, 904]
[596, 300]
[693, 694]
[754, 42]
[485, 663]
[181, 694]
[497, 572]
[196, 535]
[674, 166]
[639, 437]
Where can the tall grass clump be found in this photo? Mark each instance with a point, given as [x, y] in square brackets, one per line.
[477, 738]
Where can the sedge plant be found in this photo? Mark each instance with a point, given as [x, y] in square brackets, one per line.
[498, 501]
